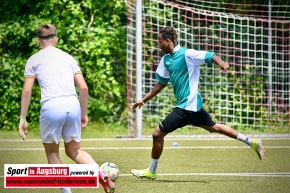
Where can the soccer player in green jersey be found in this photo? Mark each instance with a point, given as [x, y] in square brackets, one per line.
[182, 67]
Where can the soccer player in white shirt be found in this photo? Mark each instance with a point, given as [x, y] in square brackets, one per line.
[182, 67]
[62, 114]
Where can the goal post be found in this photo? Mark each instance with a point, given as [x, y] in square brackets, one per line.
[254, 96]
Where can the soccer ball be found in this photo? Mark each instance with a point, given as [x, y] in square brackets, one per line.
[111, 169]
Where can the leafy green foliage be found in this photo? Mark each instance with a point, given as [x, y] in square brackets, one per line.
[91, 31]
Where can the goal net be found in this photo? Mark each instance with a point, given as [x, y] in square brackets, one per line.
[254, 95]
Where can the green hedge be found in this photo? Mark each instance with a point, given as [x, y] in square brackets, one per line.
[92, 31]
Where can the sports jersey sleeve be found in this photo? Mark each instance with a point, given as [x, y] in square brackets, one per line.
[197, 58]
[76, 67]
[29, 69]
[208, 57]
[162, 74]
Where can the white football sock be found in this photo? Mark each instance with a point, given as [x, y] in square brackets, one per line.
[154, 165]
[66, 190]
[244, 139]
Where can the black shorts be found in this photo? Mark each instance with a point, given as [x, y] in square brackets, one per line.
[179, 118]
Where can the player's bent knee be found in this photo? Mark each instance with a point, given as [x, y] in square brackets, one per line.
[158, 134]
[71, 153]
[68, 153]
[155, 136]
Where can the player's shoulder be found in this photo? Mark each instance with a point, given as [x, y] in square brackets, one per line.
[192, 52]
[65, 54]
[32, 58]
[62, 52]
[189, 50]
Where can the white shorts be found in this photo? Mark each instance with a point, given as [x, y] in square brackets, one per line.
[60, 117]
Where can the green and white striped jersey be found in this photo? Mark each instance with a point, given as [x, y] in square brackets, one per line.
[182, 68]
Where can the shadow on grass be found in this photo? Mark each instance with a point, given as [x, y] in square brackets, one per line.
[188, 181]
[170, 181]
[183, 181]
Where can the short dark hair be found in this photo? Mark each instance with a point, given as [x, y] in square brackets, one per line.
[170, 33]
[46, 31]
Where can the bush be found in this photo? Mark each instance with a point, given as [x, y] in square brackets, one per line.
[92, 31]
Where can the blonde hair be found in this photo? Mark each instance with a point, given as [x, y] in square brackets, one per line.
[170, 33]
[46, 31]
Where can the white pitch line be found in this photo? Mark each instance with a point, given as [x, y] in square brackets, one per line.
[271, 174]
[185, 138]
[278, 174]
[142, 148]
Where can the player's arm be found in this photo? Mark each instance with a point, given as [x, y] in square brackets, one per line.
[25, 101]
[200, 57]
[84, 97]
[157, 88]
[223, 65]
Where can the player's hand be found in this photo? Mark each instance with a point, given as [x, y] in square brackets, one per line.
[84, 120]
[224, 67]
[23, 129]
[138, 104]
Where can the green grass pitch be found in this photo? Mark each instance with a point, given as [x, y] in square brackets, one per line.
[196, 165]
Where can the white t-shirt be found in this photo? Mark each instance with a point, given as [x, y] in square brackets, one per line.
[54, 69]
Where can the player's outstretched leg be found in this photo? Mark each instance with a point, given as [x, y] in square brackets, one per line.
[258, 148]
[255, 144]
[106, 182]
[146, 173]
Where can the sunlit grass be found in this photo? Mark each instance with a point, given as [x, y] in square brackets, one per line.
[176, 165]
